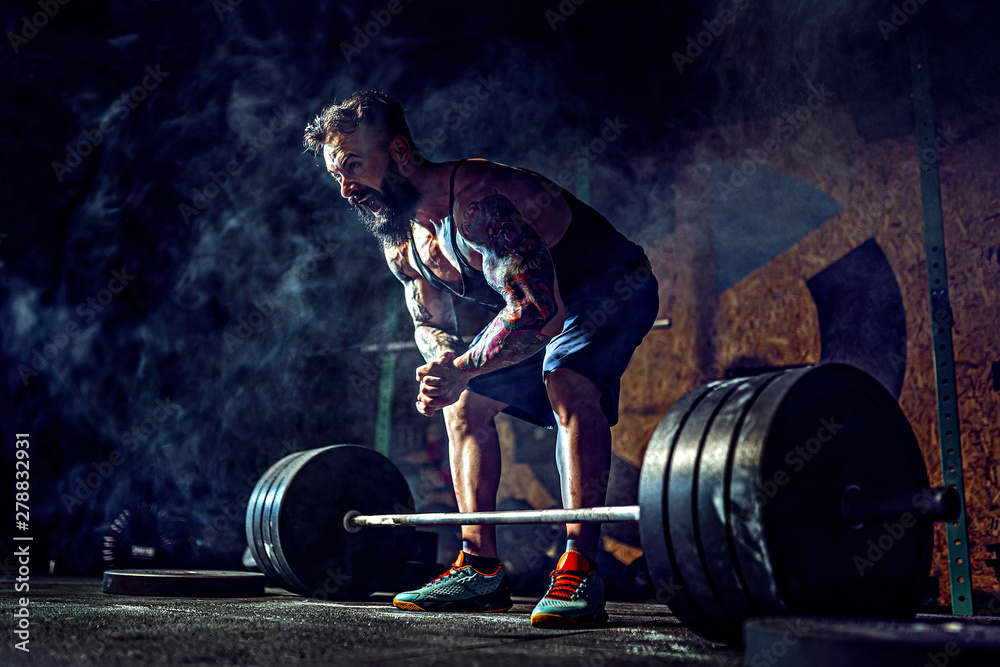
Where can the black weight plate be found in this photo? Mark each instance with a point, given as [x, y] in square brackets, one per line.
[319, 557]
[660, 553]
[270, 515]
[184, 583]
[270, 500]
[838, 427]
[744, 481]
[714, 506]
[683, 515]
[256, 525]
[750, 548]
[254, 517]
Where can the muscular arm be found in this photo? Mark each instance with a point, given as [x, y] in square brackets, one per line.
[518, 266]
[433, 314]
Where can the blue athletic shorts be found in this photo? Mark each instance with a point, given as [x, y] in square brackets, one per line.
[606, 319]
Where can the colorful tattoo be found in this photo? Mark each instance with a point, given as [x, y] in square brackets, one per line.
[516, 264]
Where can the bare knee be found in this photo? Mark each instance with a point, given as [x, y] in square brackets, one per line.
[471, 416]
[572, 395]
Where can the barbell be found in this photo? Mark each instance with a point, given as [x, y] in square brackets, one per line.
[800, 491]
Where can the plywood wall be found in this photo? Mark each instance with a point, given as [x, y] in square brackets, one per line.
[770, 316]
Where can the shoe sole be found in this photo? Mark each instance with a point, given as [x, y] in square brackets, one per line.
[567, 622]
[410, 606]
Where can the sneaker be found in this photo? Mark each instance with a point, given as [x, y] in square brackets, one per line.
[575, 598]
[461, 588]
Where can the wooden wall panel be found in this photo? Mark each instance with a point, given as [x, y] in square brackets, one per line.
[768, 318]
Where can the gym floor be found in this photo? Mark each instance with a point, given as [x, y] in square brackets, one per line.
[73, 622]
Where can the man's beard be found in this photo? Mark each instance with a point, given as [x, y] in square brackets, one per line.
[398, 201]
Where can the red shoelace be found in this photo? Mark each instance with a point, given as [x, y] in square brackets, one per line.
[445, 575]
[565, 583]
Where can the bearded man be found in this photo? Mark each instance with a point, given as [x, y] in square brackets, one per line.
[573, 299]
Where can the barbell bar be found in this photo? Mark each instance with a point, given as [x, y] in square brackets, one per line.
[354, 521]
[935, 504]
[800, 491]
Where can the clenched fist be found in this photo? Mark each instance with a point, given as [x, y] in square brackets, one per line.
[441, 384]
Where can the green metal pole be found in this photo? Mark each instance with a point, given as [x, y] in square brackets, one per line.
[387, 376]
[959, 570]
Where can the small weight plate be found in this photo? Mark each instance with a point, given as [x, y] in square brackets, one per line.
[258, 511]
[303, 522]
[811, 641]
[184, 583]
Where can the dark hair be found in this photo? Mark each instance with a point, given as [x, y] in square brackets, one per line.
[368, 107]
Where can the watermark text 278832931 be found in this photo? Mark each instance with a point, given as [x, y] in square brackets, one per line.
[22, 517]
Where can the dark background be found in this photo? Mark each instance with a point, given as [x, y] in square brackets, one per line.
[250, 286]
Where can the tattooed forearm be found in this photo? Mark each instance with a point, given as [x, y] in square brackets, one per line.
[517, 264]
[418, 311]
[499, 348]
[432, 312]
[433, 342]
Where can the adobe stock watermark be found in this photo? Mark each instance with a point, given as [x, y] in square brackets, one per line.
[611, 130]
[31, 25]
[458, 113]
[796, 459]
[87, 310]
[87, 484]
[561, 13]
[225, 7]
[266, 306]
[795, 629]
[665, 591]
[363, 35]
[892, 533]
[595, 659]
[898, 17]
[235, 510]
[625, 288]
[582, 159]
[119, 110]
[697, 44]
[944, 139]
[233, 513]
[789, 124]
[545, 535]
[943, 657]
[219, 181]
[332, 583]
[595, 489]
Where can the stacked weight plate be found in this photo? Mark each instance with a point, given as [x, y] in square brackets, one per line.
[294, 522]
[741, 495]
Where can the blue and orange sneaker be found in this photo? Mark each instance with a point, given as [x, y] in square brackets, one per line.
[461, 588]
[575, 598]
